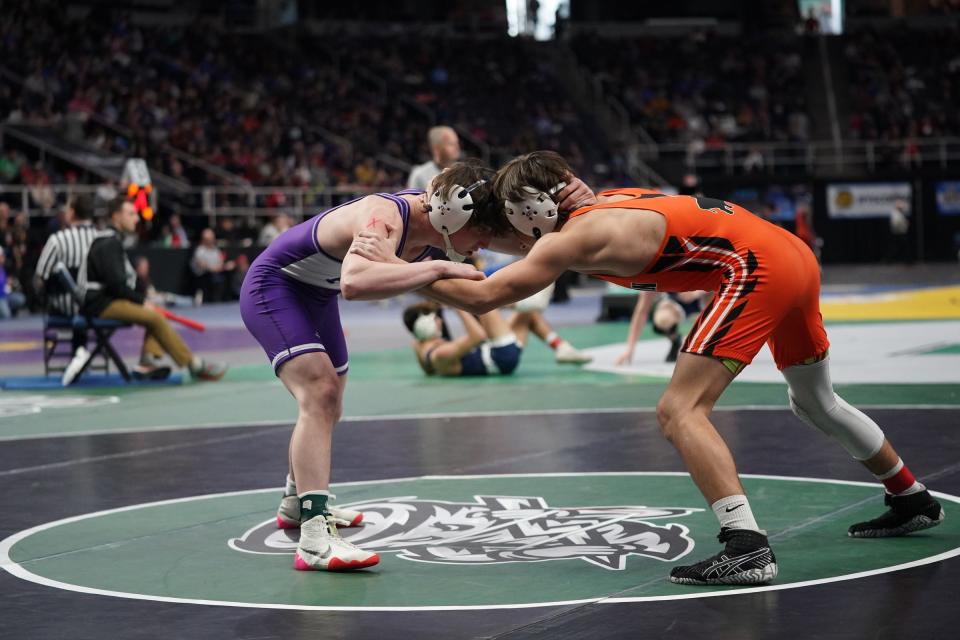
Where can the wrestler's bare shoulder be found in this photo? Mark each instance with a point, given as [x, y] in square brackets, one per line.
[370, 211]
[336, 230]
[601, 226]
[613, 240]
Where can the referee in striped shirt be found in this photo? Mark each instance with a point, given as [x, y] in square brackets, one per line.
[68, 246]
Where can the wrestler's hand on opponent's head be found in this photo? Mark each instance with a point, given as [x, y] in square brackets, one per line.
[374, 247]
[575, 195]
[459, 270]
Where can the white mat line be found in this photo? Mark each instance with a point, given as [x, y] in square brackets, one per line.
[451, 415]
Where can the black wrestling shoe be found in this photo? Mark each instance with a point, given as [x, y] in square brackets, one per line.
[915, 512]
[150, 372]
[747, 559]
[675, 344]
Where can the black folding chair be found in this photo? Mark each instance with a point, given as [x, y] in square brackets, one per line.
[58, 329]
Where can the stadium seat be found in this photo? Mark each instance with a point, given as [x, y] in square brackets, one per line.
[58, 329]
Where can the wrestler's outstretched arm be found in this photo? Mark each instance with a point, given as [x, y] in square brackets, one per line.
[383, 275]
[363, 279]
[641, 312]
[547, 260]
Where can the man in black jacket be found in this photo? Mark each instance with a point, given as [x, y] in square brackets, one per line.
[107, 280]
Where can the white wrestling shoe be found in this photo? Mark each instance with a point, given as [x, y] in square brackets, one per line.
[288, 515]
[322, 549]
[567, 354]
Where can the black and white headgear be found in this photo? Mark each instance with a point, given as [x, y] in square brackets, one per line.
[450, 214]
[537, 213]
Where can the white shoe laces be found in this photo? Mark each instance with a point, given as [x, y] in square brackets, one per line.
[334, 532]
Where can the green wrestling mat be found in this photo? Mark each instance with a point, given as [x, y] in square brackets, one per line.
[389, 383]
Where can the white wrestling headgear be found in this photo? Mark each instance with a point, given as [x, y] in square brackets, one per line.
[536, 214]
[426, 327]
[449, 215]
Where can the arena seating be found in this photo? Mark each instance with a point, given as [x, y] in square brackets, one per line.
[277, 112]
[704, 86]
[901, 90]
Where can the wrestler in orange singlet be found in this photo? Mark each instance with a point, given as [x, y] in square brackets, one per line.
[766, 285]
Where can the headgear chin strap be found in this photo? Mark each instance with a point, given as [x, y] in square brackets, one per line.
[426, 327]
[449, 215]
[536, 214]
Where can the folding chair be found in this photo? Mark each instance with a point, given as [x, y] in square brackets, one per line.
[58, 329]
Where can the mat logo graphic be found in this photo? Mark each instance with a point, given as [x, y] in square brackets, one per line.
[498, 529]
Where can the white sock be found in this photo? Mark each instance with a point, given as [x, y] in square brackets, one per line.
[291, 487]
[734, 512]
[916, 487]
[196, 363]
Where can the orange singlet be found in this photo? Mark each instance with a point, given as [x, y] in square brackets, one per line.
[767, 281]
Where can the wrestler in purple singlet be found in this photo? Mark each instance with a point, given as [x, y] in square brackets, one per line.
[289, 296]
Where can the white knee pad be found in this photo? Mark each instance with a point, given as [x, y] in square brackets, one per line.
[537, 302]
[812, 400]
[667, 314]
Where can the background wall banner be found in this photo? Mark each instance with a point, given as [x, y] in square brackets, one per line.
[865, 200]
[948, 197]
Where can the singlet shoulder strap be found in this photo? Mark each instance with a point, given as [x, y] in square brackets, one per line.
[636, 194]
[404, 208]
[427, 362]
[423, 254]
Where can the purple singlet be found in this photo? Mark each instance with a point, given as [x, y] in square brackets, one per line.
[289, 296]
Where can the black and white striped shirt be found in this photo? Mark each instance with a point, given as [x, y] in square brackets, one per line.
[69, 246]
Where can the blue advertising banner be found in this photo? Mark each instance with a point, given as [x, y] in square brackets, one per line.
[948, 198]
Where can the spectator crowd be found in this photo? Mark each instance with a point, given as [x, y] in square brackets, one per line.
[901, 92]
[323, 107]
[314, 109]
[705, 87]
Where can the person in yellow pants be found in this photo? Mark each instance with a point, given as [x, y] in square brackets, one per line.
[107, 281]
